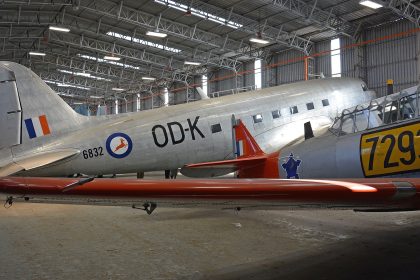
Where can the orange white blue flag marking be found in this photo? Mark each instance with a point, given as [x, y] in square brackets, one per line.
[37, 126]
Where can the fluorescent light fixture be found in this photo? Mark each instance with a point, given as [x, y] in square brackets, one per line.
[96, 97]
[148, 78]
[117, 89]
[37, 53]
[65, 94]
[60, 29]
[83, 74]
[156, 34]
[113, 58]
[371, 4]
[192, 63]
[78, 103]
[259, 41]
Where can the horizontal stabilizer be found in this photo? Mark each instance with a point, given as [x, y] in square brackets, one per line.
[220, 168]
[36, 161]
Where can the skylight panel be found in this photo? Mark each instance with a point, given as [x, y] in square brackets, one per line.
[109, 61]
[65, 85]
[199, 13]
[143, 42]
[83, 74]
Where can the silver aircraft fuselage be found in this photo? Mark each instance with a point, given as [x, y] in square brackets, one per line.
[169, 137]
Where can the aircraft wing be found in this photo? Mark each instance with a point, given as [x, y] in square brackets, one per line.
[384, 194]
[36, 160]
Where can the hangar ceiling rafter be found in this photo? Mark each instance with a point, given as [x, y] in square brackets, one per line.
[214, 34]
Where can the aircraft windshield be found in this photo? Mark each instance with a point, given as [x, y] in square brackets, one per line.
[381, 111]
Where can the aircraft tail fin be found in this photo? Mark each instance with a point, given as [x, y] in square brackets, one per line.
[251, 161]
[202, 94]
[246, 146]
[30, 109]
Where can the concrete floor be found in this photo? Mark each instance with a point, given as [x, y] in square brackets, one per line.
[46, 241]
[41, 241]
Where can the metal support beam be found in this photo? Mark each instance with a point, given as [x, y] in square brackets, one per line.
[418, 56]
[248, 25]
[93, 29]
[360, 68]
[312, 14]
[406, 9]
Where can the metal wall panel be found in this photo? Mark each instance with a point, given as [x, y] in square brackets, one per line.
[348, 58]
[391, 59]
[290, 67]
[323, 62]
[227, 80]
[212, 85]
[269, 73]
[179, 96]
[248, 78]
[146, 102]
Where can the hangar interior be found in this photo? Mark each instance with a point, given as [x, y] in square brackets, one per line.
[110, 57]
[116, 56]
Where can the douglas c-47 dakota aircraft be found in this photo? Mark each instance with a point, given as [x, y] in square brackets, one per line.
[42, 136]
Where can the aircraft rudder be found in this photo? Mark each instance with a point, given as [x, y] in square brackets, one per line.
[41, 111]
[246, 145]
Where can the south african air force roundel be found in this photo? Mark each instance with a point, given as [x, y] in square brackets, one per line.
[119, 145]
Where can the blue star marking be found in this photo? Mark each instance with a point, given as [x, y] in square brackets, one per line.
[291, 167]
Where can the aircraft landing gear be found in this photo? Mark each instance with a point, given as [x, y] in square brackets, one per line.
[149, 207]
[9, 202]
[10, 199]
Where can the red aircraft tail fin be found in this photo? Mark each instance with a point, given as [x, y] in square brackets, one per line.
[246, 145]
[251, 161]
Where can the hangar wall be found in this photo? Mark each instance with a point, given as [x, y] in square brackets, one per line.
[374, 62]
[391, 59]
[288, 70]
[395, 57]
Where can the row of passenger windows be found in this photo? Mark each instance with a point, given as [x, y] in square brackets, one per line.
[258, 118]
[293, 110]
